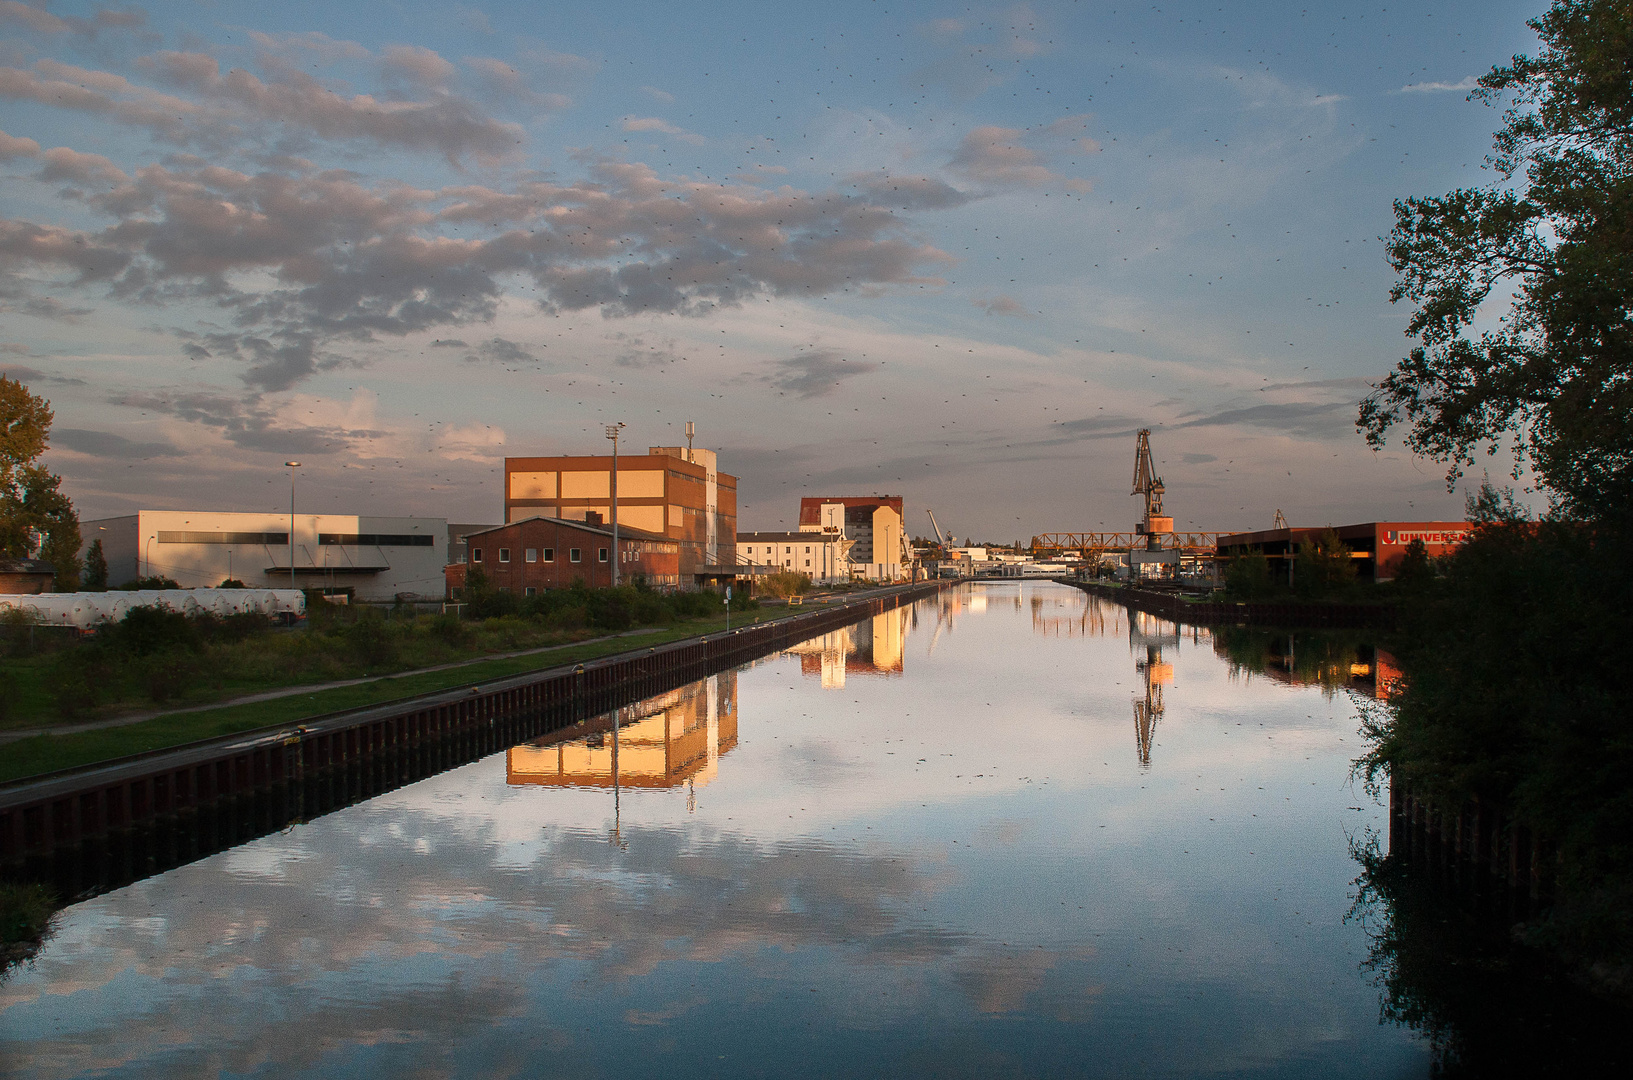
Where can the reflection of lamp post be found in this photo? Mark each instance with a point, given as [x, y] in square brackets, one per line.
[292, 466]
[612, 433]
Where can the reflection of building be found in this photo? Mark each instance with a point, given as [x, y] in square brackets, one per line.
[661, 742]
[872, 647]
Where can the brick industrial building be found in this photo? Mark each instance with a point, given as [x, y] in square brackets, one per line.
[548, 553]
[671, 492]
[1375, 546]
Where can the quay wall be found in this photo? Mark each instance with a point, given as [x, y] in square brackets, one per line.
[1171, 606]
[95, 828]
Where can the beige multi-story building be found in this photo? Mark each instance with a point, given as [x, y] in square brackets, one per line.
[822, 556]
[873, 526]
[670, 491]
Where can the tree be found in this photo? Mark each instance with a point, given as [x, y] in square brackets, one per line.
[34, 513]
[1555, 374]
[1323, 565]
[96, 568]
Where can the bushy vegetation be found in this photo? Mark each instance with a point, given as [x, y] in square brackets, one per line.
[1516, 683]
[785, 583]
[156, 656]
[1323, 571]
[25, 920]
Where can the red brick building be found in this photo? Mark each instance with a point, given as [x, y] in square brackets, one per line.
[26, 577]
[1376, 546]
[538, 553]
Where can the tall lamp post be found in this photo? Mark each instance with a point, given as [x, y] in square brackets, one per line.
[612, 433]
[292, 466]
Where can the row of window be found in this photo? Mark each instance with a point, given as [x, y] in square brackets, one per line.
[771, 549]
[532, 555]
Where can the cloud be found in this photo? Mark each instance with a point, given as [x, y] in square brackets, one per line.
[660, 95]
[498, 350]
[417, 66]
[12, 146]
[1302, 418]
[107, 444]
[653, 123]
[998, 156]
[1463, 85]
[1004, 305]
[909, 192]
[43, 22]
[817, 374]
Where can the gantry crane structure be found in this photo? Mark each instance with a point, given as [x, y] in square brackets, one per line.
[1154, 532]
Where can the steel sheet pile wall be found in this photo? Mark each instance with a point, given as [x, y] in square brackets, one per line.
[1496, 867]
[93, 829]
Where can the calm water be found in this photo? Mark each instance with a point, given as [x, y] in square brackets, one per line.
[1002, 833]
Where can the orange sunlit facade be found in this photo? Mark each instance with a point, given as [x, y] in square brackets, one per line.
[662, 742]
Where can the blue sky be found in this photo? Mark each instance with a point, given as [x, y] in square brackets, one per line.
[953, 252]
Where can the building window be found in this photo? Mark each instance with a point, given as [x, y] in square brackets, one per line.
[549, 554]
[807, 562]
[788, 551]
[476, 554]
[504, 554]
[600, 554]
[573, 555]
[529, 591]
[532, 554]
[807, 551]
[457, 592]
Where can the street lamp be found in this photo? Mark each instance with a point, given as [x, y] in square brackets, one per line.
[292, 466]
[612, 433]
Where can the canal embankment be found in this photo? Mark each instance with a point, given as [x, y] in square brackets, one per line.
[1172, 605]
[88, 829]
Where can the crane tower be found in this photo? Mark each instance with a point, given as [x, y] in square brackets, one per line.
[1155, 525]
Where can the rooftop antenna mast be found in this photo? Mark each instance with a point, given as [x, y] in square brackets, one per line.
[691, 429]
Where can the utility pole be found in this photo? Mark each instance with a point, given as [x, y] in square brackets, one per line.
[612, 433]
[292, 466]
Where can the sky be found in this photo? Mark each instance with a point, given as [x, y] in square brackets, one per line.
[954, 252]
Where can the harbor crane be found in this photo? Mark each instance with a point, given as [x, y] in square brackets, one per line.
[1154, 526]
[942, 540]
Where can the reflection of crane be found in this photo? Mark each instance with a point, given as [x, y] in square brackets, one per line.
[1148, 712]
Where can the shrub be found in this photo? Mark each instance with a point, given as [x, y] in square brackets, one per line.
[142, 584]
[147, 630]
[448, 628]
[168, 676]
[371, 640]
[785, 583]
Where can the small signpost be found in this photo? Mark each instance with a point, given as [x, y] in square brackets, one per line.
[727, 602]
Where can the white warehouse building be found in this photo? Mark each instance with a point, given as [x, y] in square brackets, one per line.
[369, 558]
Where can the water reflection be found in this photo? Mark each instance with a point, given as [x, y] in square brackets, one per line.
[872, 647]
[948, 867]
[663, 742]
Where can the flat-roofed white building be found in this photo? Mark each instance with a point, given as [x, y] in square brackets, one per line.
[369, 558]
[819, 555]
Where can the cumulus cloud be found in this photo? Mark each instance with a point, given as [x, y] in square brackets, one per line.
[999, 157]
[659, 95]
[43, 22]
[817, 374]
[13, 147]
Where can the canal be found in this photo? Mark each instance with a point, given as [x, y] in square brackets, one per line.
[1011, 830]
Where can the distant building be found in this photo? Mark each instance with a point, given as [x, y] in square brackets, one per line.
[368, 558]
[456, 539]
[26, 577]
[1376, 546]
[873, 525]
[664, 492]
[539, 553]
[820, 555]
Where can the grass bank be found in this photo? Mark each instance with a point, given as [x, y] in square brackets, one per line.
[52, 752]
